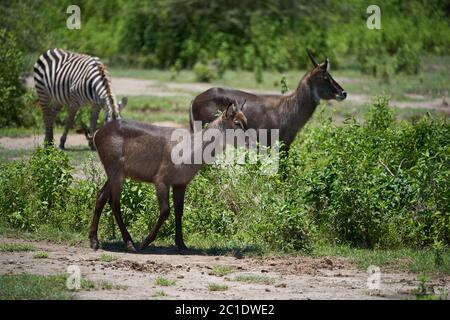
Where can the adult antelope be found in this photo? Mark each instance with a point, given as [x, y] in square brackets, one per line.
[286, 113]
[143, 152]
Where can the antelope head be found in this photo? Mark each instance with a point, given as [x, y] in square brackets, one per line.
[233, 117]
[323, 84]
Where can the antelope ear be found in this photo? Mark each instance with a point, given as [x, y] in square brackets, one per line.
[311, 57]
[229, 111]
[123, 103]
[325, 65]
[242, 105]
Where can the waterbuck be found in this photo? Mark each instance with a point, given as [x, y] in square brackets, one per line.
[144, 152]
[286, 113]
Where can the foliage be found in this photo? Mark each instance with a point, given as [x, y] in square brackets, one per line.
[240, 34]
[379, 183]
[11, 88]
[205, 72]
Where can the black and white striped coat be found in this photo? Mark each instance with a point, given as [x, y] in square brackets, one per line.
[67, 78]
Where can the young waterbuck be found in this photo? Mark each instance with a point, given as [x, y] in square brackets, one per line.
[143, 152]
[286, 113]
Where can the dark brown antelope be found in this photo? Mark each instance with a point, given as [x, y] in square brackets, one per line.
[286, 113]
[143, 152]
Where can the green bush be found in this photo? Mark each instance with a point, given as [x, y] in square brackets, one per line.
[41, 192]
[205, 72]
[160, 34]
[408, 60]
[11, 88]
[377, 183]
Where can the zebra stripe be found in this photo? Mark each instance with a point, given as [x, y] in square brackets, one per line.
[68, 78]
[71, 78]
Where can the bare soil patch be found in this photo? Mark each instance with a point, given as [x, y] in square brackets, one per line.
[290, 277]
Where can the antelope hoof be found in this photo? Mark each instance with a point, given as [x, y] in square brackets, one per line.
[181, 248]
[143, 246]
[62, 147]
[94, 243]
[92, 146]
[131, 247]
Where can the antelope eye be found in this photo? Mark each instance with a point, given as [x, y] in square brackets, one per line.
[325, 78]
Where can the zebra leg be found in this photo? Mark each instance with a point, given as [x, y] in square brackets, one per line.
[69, 124]
[94, 117]
[49, 117]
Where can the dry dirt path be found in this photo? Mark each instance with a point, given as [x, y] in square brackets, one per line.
[133, 87]
[282, 278]
[73, 139]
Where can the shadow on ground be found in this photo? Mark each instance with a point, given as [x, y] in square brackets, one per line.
[234, 251]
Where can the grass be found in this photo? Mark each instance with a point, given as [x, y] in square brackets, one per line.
[16, 247]
[221, 271]
[77, 154]
[431, 81]
[414, 260]
[164, 282]
[421, 261]
[426, 292]
[34, 287]
[255, 279]
[7, 155]
[40, 255]
[51, 287]
[45, 233]
[106, 258]
[159, 293]
[21, 132]
[159, 109]
[217, 287]
[105, 285]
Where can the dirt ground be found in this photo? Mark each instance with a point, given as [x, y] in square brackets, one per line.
[284, 278]
[135, 87]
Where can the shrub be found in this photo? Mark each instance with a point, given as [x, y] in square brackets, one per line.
[408, 60]
[11, 87]
[378, 183]
[206, 72]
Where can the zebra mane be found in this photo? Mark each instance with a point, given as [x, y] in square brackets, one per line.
[106, 80]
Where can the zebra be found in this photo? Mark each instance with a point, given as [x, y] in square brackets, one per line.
[63, 77]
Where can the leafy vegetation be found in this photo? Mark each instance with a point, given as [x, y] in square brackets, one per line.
[16, 247]
[234, 34]
[40, 255]
[51, 287]
[217, 287]
[164, 282]
[12, 90]
[107, 258]
[221, 271]
[378, 184]
[160, 293]
[34, 287]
